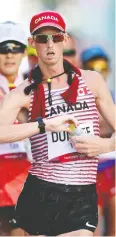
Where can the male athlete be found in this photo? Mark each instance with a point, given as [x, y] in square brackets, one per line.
[59, 195]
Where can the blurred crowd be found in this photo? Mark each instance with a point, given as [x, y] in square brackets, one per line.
[17, 58]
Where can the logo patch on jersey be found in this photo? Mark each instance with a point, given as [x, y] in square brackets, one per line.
[82, 91]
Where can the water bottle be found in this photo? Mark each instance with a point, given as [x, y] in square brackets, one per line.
[76, 131]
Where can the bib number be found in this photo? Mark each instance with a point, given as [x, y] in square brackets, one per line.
[59, 147]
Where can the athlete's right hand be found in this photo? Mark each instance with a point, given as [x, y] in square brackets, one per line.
[60, 123]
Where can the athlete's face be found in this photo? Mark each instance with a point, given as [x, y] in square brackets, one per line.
[9, 61]
[49, 45]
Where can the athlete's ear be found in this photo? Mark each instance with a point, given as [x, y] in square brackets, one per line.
[66, 38]
[31, 42]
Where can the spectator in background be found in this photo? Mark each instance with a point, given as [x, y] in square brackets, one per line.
[14, 162]
[70, 52]
[31, 58]
[95, 58]
[2, 93]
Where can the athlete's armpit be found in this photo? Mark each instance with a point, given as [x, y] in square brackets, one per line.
[23, 116]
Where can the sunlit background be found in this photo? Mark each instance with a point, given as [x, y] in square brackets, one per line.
[92, 21]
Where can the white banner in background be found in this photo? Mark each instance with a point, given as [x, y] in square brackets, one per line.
[109, 155]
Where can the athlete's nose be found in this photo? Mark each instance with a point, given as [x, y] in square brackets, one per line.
[50, 43]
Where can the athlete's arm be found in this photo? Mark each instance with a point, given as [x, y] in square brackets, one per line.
[17, 132]
[94, 145]
[12, 104]
[107, 109]
[12, 133]
[10, 107]
[105, 129]
[104, 102]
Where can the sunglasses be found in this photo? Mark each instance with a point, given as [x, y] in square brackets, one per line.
[43, 38]
[69, 52]
[11, 48]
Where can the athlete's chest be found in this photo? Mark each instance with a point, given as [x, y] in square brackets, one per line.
[84, 103]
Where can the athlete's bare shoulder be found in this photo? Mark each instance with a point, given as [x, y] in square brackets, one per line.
[93, 80]
[13, 103]
[21, 87]
[17, 97]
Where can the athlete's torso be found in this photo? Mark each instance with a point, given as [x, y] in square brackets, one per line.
[77, 168]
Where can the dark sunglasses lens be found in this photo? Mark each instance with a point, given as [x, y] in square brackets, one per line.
[69, 52]
[2, 49]
[58, 38]
[42, 39]
[5, 49]
[18, 50]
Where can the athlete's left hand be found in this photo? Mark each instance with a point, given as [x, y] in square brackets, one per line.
[91, 145]
[60, 123]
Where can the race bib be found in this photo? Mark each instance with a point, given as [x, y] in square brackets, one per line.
[12, 148]
[60, 148]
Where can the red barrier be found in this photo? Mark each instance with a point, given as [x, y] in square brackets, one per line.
[13, 173]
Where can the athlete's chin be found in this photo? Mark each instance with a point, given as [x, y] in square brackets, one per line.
[51, 62]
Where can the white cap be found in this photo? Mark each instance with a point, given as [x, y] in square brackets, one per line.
[12, 31]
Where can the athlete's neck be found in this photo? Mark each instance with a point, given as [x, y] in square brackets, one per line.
[50, 71]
